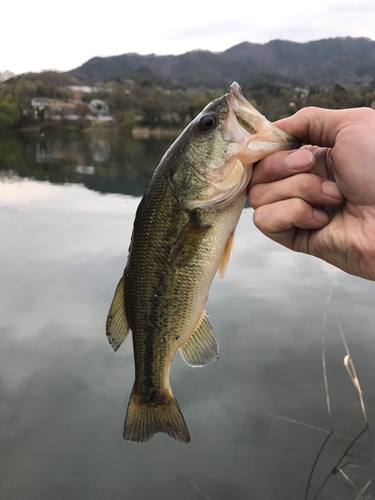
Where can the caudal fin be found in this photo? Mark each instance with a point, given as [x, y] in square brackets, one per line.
[143, 421]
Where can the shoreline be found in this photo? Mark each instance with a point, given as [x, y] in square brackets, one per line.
[95, 127]
[145, 132]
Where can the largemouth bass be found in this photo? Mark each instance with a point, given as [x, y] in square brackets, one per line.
[183, 233]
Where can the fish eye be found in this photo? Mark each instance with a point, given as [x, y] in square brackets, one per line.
[207, 122]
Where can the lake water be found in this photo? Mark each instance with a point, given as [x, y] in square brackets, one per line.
[257, 417]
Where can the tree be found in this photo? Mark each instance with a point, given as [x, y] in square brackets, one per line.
[9, 114]
[128, 121]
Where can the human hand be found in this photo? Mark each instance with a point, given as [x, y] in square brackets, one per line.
[320, 199]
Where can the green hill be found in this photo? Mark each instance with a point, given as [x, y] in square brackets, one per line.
[321, 62]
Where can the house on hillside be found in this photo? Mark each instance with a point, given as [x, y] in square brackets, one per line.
[71, 109]
[40, 107]
[39, 103]
[299, 93]
[99, 107]
[82, 88]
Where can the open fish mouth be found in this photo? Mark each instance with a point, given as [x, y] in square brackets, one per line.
[250, 137]
[259, 136]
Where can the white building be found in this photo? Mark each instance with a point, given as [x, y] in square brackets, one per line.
[82, 88]
[39, 103]
[99, 107]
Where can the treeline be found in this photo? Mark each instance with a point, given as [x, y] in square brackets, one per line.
[146, 104]
[16, 95]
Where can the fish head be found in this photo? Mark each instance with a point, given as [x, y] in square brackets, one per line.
[216, 152]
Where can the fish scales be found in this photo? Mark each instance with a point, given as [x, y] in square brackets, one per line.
[160, 310]
[183, 233]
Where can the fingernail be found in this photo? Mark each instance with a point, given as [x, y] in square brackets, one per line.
[320, 216]
[330, 189]
[299, 159]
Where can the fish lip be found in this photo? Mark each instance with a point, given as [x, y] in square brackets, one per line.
[240, 106]
[237, 101]
[236, 91]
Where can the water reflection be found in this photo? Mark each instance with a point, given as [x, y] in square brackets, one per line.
[257, 416]
[109, 162]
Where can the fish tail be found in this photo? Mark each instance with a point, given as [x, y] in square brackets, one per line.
[143, 420]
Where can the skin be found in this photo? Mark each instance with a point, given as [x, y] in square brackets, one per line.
[320, 199]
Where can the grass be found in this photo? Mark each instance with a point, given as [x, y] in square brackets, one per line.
[338, 468]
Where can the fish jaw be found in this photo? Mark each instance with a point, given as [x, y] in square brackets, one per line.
[257, 135]
[245, 137]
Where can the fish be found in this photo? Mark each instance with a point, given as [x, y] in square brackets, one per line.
[183, 234]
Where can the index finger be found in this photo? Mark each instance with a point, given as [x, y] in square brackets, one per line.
[316, 126]
[282, 164]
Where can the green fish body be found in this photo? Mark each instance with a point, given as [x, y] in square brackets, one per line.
[183, 233]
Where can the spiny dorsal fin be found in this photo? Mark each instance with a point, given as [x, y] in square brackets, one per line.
[201, 348]
[117, 327]
[225, 257]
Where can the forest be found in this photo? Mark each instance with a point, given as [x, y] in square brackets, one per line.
[146, 103]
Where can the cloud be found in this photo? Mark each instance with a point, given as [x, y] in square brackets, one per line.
[208, 30]
[200, 27]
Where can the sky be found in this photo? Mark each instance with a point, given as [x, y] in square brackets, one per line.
[41, 35]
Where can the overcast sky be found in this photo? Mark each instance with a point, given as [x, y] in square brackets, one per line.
[40, 34]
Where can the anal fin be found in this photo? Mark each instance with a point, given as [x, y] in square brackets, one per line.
[117, 327]
[201, 348]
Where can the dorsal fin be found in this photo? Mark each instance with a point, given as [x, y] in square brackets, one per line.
[117, 327]
[201, 348]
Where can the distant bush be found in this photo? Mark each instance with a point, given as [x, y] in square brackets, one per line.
[9, 114]
[129, 121]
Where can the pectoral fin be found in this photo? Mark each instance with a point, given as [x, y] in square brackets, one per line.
[188, 241]
[201, 348]
[225, 257]
[117, 327]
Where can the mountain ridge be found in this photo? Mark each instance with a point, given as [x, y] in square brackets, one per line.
[328, 61]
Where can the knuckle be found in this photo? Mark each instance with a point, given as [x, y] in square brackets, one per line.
[255, 196]
[257, 219]
[304, 182]
[299, 208]
[260, 218]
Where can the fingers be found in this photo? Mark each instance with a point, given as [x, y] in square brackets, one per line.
[282, 164]
[308, 187]
[286, 194]
[282, 222]
[320, 126]
[286, 174]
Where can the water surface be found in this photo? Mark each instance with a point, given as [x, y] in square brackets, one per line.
[257, 416]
